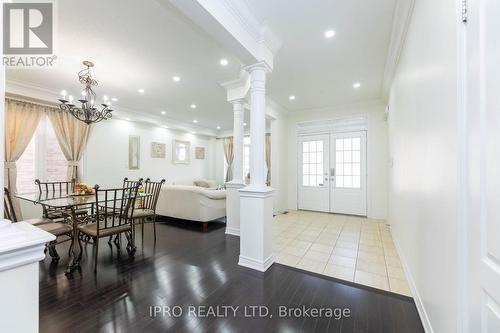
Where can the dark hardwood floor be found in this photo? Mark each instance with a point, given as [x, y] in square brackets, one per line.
[189, 267]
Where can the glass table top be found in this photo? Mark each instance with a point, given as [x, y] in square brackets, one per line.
[62, 199]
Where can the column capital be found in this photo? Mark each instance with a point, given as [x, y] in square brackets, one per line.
[261, 65]
[238, 101]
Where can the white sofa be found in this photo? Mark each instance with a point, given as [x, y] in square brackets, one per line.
[191, 202]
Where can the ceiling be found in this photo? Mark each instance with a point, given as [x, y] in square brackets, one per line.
[139, 44]
[143, 44]
[320, 72]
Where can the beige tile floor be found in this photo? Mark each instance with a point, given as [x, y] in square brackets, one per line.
[350, 248]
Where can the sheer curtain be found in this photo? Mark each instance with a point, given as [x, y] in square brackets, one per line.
[229, 154]
[21, 121]
[72, 135]
[268, 159]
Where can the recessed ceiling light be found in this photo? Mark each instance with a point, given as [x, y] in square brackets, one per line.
[291, 97]
[224, 62]
[244, 124]
[356, 85]
[329, 33]
[193, 106]
[218, 127]
[176, 78]
[114, 99]
[165, 126]
[163, 112]
[140, 90]
[195, 121]
[128, 119]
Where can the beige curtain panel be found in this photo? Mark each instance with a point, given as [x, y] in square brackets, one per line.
[21, 121]
[268, 159]
[72, 135]
[229, 154]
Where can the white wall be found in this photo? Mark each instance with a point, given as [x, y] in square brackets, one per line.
[106, 156]
[376, 146]
[423, 145]
[279, 166]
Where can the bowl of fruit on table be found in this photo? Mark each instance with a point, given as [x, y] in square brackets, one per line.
[83, 189]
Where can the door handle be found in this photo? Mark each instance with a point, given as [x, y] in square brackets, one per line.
[332, 172]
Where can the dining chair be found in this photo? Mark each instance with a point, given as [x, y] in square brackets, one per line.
[57, 229]
[57, 189]
[146, 209]
[112, 216]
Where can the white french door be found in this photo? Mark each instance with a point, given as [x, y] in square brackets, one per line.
[313, 175]
[348, 173]
[332, 173]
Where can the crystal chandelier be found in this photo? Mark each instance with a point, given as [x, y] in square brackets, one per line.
[88, 112]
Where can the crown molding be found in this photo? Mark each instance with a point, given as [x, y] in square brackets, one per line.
[41, 95]
[400, 24]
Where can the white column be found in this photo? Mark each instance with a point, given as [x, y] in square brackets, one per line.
[21, 247]
[232, 187]
[238, 133]
[256, 200]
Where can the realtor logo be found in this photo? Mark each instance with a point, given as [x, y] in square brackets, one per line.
[28, 28]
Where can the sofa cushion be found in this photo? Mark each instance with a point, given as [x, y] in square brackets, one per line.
[201, 183]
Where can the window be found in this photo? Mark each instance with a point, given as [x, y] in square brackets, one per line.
[348, 162]
[42, 159]
[312, 163]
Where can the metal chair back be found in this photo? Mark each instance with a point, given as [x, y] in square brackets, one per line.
[152, 188]
[114, 207]
[56, 188]
[131, 183]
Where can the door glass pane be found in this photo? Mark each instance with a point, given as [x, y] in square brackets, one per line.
[356, 169]
[347, 181]
[339, 169]
[312, 163]
[347, 156]
[347, 169]
[347, 144]
[356, 156]
[339, 157]
[305, 147]
[348, 162]
[339, 144]
[356, 143]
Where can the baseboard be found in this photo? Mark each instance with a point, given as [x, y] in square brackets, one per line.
[426, 323]
[258, 265]
[232, 231]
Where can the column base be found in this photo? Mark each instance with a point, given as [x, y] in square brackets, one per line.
[233, 207]
[256, 227]
[258, 265]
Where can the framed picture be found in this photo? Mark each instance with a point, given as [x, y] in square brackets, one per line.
[199, 153]
[181, 152]
[158, 150]
[134, 152]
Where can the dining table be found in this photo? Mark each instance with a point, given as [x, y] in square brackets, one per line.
[69, 204]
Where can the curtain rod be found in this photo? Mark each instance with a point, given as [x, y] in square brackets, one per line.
[25, 99]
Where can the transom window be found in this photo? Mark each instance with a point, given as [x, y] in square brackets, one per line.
[348, 163]
[312, 163]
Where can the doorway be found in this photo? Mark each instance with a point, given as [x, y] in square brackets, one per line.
[332, 173]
